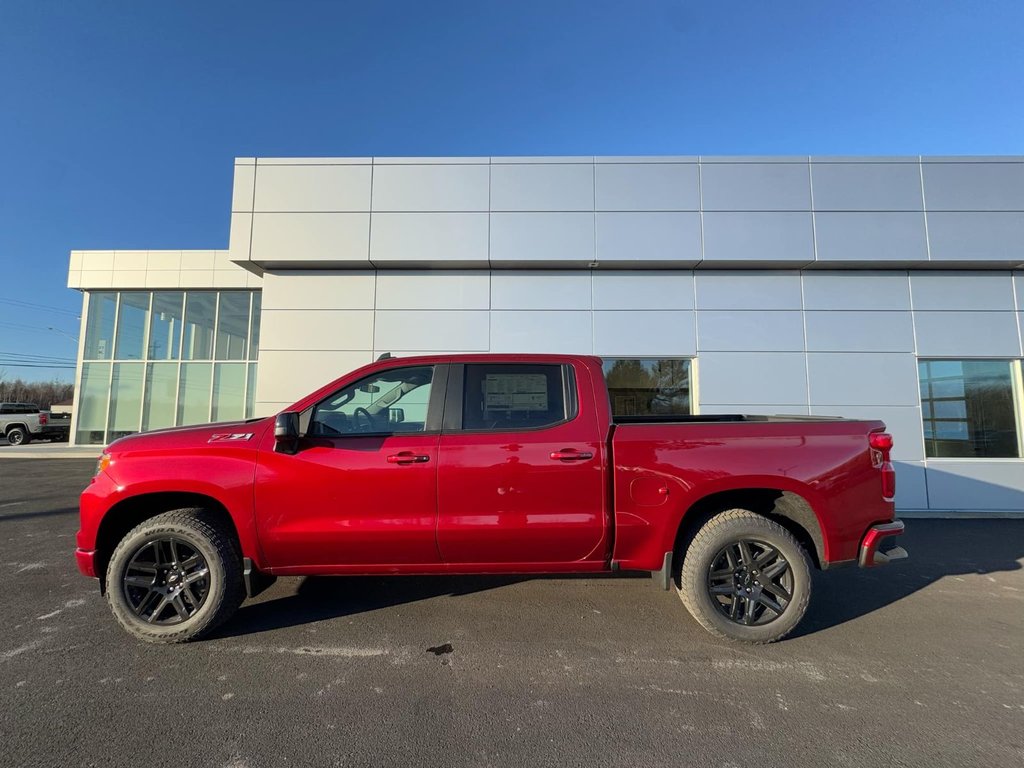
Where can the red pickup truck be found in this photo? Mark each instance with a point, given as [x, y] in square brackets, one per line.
[485, 464]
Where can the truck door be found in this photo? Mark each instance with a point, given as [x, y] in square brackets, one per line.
[520, 473]
[362, 488]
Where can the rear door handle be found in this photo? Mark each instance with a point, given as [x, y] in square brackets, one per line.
[571, 454]
[407, 457]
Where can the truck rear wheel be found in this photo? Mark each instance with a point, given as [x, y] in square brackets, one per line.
[745, 577]
[17, 436]
[175, 577]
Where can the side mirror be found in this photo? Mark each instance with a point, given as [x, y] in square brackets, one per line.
[286, 432]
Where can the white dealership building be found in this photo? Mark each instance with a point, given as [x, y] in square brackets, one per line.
[888, 287]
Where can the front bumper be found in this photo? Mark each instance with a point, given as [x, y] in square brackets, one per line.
[871, 553]
[86, 560]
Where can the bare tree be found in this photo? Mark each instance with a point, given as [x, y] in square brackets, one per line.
[42, 393]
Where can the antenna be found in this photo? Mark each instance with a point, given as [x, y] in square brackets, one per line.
[385, 356]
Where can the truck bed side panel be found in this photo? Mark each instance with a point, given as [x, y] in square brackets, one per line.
[661, 471]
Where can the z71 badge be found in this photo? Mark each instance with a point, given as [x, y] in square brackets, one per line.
[230, 437]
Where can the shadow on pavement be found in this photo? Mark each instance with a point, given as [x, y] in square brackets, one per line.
[5, 515]
[938, 548]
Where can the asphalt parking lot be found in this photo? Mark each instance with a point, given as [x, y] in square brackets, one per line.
[917, 664]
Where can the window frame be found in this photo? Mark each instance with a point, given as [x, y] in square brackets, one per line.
[455, 402]
[435, 405]
[1017, 392]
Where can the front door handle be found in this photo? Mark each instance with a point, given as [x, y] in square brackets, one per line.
[407, 457]
[571, 454]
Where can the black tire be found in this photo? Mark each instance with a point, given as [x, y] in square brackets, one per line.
[17, 436]
[739, 608]
[176, 607]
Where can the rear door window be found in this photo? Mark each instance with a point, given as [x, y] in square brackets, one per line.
[511, 396]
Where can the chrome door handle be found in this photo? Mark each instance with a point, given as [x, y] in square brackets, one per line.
[407, 457]
[568, 454]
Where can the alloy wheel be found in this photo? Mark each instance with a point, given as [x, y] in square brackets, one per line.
[750, 582]
[166, 581]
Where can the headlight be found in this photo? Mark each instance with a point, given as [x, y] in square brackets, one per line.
[103, 463]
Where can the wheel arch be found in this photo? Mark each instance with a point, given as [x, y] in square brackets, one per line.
[130, 512]
[789, 509]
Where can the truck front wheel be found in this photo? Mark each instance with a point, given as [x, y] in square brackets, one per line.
[745, 577]
[175, 577]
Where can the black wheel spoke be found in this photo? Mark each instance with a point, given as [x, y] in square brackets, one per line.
[148, 600]
[776, 569]
[734, 607]
[778, 593]
[191, 562]
[769, 554]
[748, 610]
[158, 609]
[723, 589]
[769, 602]
[139, 581]
[190, 595]
[730, 558]
[721, 575]
[746, 557]
[180, 608]
[175, 559]
[195, 576]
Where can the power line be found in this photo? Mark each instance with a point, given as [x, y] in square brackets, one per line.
[23, 326]
[63, 358]
[34, 361]
[33, 305]
[16, 364]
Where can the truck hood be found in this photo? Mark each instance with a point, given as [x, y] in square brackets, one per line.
[237, 433]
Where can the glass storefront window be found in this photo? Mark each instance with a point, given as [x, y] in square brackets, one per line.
[165, 325]
[254, 329]
[158, 408]
[93, 396]
[99, 326]
[250, 390]
[232, 325]
[132, 316]
[125, 399]
[194, 393]
[229, 392]
[968, 409]
[158, 329]
[200, 313]
[648, 386]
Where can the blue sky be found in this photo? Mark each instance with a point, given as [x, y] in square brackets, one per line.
[119, 120]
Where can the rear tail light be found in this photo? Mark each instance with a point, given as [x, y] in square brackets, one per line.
[881, 446]
[880, 441]
[43, 418]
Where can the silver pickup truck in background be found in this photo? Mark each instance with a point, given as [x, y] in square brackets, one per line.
[23, 422]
